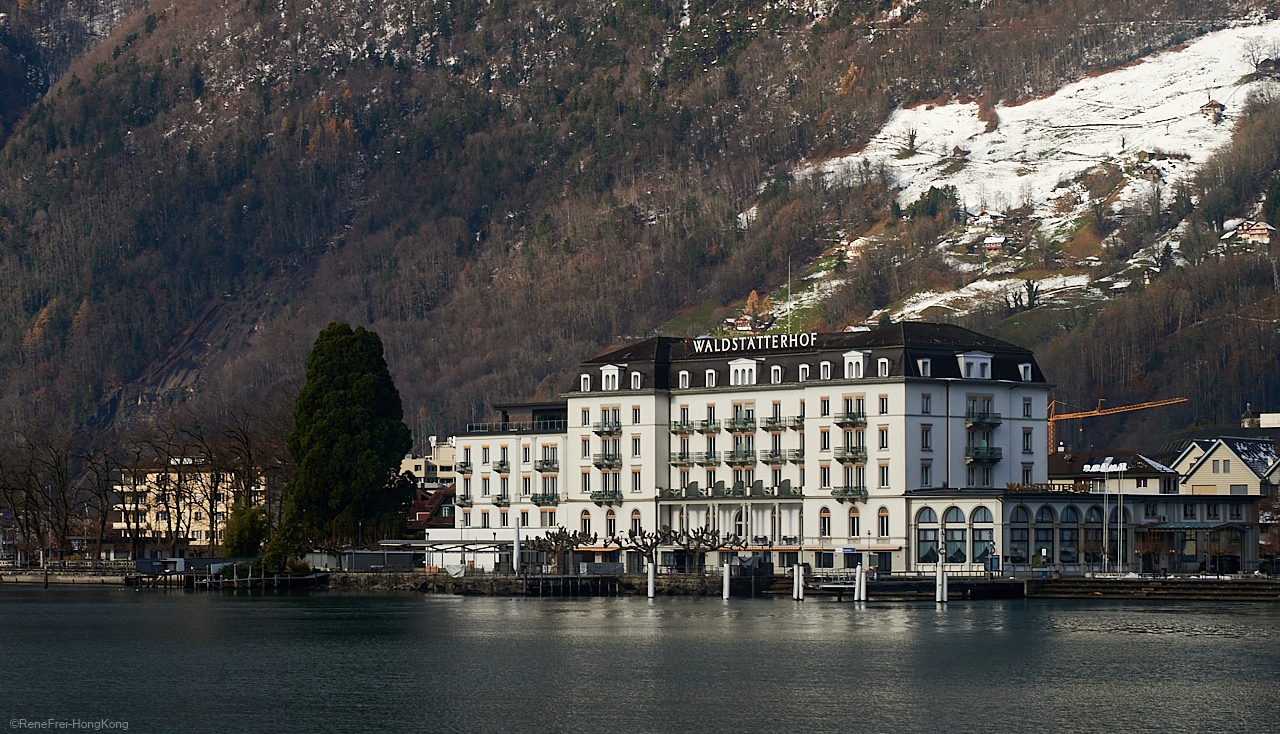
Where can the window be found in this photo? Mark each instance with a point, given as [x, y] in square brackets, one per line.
[968, 369]
[1026, 407]
[927, 545]
[635, 445]
[1226, 466]
[775, 374]
[684, 378]
[1150, 509]
[635, 481]
[884, 438]
[1215, 466]
[1237, 511]
[635, 415]
[983, 545]
[925, 368]
[586, 416]
[882, 367]
[926, 438]
[503, 484]
[981, 514]
[1027, 474]
[586, 521]
[635, 521]
[466, 518]
[484, 518]
[824, 476]
[466, 486]
[982, 370]
[635, 380]
[824, 523]
[882, 522]
[586, 448]
[955, 550]
[198, 516]
[466, 455]
[1024, 369]
[824, 370]
[804, 372]
[586, 482]
[524, 518]
[1211, 512]
[484, 487]
[854, 530]
[711, 378]
[1188, 511]
[926, 404]
[548, 518]
[884, 405]
[484, 455]
[502, 519]
[884, 475]
[926, 475]
[584, 383]
[525, 453]
[1026, 441]
[825, 440]
[824, 407]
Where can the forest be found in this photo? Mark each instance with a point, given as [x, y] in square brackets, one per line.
[503, 189]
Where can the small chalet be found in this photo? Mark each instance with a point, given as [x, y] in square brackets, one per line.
[1268, 66]
[988, 219]
[743, 323]
[1121, 286]
[993, 244]
[1150, 173]
[1213, 110]
[1257, 233]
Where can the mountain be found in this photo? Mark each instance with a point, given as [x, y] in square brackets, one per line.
[499, 189]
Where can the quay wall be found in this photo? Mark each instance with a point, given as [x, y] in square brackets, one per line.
[61, 577]
[492, 585]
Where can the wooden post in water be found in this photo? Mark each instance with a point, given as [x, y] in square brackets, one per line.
[724, 593]
[652, 571]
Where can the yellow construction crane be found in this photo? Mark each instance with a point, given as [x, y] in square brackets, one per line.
[1054, 416]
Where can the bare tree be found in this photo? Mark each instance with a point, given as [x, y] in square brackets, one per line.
[560, 541]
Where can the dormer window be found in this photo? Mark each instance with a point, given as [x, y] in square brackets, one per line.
[684, 379]
[775, 375]
[853, 365]
[635, 380]
[975, 365]
[968, 369]
[804, 372]
[824, 370]
[924, 367]
[711, 378]
[982, 370]
[742, 372]
[882, 367]
[584, 383]
[610, 377]
[1024, 369]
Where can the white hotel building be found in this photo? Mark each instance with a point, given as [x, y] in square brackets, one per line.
[881, 448]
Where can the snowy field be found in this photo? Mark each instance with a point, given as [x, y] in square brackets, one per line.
[1151, 105]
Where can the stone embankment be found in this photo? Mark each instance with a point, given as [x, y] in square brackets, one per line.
[1185, 589]
[60, 577]
[493, 585]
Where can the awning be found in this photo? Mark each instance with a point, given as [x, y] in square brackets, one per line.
[1174, 526]
[595, 550]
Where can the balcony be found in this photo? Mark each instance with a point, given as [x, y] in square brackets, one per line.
[982, 454]
[670, 493]
[606, 428]
[846, 493]
[851, 454]
[547, 465]
[607, 495]
[708, 426]
[740, 457]
[774, 456]
[776, 425]
[502, 500]
[502, 466]
[740, 424]
[464, 467]
[790, 491]
[796, 456]
[462, 500]
[681, 458]
[706, 458]
[545, 500]
[682, 428]
[540, 426]
[975, 419]
[851, 420]
[606, 461]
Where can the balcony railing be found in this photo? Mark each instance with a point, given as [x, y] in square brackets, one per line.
[502, 500]
[502, 466]
[547, 465]
[548, 426]
[851, 454]
[464, 467]
[740, 456]
[740, 424]
[795, 456]
[774, 456]
[851, 420]
[682, 427]
[607, 495]
[777, 424]
[681, 458]
[545, 499]
[606, 428]
[858, 492]
[606, 460]
[706, 458]
[976, 418]
[707, 426]
[983, 454]
[463, 500]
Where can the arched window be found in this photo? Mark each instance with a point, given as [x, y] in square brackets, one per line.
[635, 521]
[882, 522]
[953, 515]
[854, 526]
[1113, 515]
[981, 514]
[635, 380]
[927, 515]
[1070, 515]
[824, 523]
[586, 521]
[926, 538]
[775, 374]
[610, 524]
[1044, 515]
[1020, 515]
[1094, 515]
[882, 367]
[585, 383]
[739, 525]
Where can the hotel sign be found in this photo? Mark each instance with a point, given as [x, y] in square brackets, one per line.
[755, 343]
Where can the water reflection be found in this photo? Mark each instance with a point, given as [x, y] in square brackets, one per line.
[334, 662]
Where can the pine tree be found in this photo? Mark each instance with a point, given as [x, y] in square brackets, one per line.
[348, 440]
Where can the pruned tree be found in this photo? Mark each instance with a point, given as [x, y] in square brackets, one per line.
[700, 541]
[556, 543]
[644, 542]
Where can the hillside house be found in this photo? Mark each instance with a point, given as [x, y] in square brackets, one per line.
[1213, 110]
[987, 220]
[1256, 233]
[994, 244]
[1150, 173]
[743, 323]
[1267, 66]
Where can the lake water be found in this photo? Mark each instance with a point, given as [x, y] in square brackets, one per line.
[199, 662]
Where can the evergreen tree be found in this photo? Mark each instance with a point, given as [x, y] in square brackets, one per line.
[246, 529]
[348, 440]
